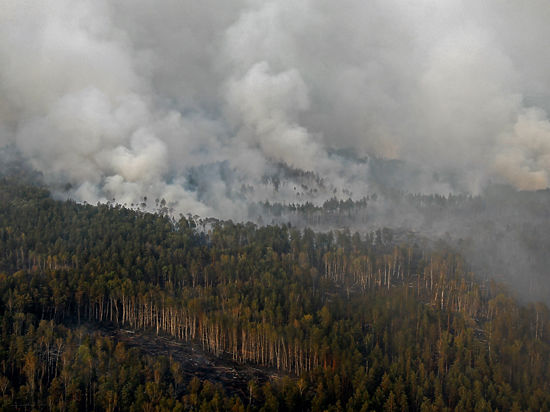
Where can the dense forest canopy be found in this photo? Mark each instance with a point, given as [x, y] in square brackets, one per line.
[502, 232]
[274, 205]
[383, 321]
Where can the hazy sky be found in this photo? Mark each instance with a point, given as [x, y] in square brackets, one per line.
[124, 98]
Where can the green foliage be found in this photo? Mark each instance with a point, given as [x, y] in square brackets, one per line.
[355, 323]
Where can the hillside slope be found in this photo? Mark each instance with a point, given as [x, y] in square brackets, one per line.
[352, 322]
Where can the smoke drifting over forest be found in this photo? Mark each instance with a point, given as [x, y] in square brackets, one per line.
[201, 103]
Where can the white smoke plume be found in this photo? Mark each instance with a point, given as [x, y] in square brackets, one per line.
[197, 102]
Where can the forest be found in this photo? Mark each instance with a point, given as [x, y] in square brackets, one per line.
[335, 320]
[502, 232]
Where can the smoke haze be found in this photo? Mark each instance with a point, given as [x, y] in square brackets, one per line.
[200, 103]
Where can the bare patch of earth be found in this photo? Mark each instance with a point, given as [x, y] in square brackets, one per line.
[196, 362]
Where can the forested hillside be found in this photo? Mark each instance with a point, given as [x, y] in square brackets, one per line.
[350, 322]
[502, 232]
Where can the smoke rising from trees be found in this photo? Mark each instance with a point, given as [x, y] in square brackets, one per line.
[196, 102]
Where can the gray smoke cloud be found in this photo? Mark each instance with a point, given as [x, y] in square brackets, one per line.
[197, 102]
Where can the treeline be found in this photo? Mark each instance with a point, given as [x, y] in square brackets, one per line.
[502, 232]
[358, 322]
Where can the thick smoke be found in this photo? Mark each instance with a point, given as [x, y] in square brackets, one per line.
[200, 103]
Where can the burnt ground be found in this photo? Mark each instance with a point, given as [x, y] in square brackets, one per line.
[196, 362]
